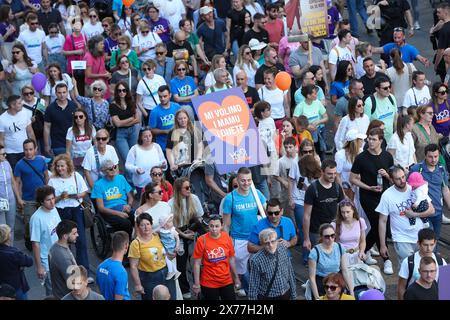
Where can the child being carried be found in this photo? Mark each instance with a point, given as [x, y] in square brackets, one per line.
[171, 242]
[422, 200]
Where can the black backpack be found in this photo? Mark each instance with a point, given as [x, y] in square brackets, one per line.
[374, 102]
[103, 7]
[411, 265]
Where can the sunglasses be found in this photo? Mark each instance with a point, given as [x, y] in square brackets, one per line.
[122, 43]
[443, 92]
[16, 52]
[187, 188]
[360, 105]
[159, 53]
[145, 32]
[385, 88]
[181, 69]
[30, 93]
[271, 213]
[81, 116]
[114, 167]
[235, 186]
[331, 288]
[124, 61]
[158, 192]
[93, 16]
[159, 174]
[104, 25]
[122, 90]
[248, 52]
[97, 89]
[329, 236]
[101, 138]
[146, 69]
[34, 23]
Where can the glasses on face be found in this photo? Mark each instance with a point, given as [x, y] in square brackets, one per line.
[34, 23]
[117, 34]
[94, 16]
[157, 174]
[122, 43]
[443, 92]
[105, 25]
[81, 116]
[385, 88]
[428, 112]
[29, 93]
[270, 242]
[159, 53]
[158, 192]
[16, 52]
[124, 61]
[398, 29]
[359, 105]
[145, 31]
[331, 288]
[101, 138]
[329, 236]
[146, 69]
[114, 167]
[187, 188]
[235, 186]
[271, 213]
[181, 69]
[248, 53]
[308, 151]
[122, 90]
[97, 89]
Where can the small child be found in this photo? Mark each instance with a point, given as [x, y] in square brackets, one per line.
[302, 128]
[171, 242]
[420, 190]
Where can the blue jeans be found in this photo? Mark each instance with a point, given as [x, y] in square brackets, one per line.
[354, 7]
[150, 280]
[76, 215]
[415, 10]
[20, 295]
[298, 213]
[264, 188]
[436, 224]
[58, 151]
[125, 139]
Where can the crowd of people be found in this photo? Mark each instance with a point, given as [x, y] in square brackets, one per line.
[121, 135]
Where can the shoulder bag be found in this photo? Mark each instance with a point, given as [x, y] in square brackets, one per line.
[87, 208]
[4, 202]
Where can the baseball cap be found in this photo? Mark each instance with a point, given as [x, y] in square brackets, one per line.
[205, 10]
[353, 134]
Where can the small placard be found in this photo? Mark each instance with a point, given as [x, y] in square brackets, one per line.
[78, 65]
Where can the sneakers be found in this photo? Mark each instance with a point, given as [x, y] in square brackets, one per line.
[174, 275]
[241, 293]
[369, 260]
[416, 25]
[445, 220]
[187, 295]
[374, 252]
[388, 267]
[177, 275]
[304, 286]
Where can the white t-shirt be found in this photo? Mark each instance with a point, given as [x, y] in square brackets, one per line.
[275, 98]
[149, 41]
[90, 30]
[404, 269]
[161, 209]
[14, 129]
[344, 54]
[33, 43]
[90, 164]
[416, 97]
[404, 152]
[145, 159]
[55, 44]
[343, 165]
[360, 124]
[298, 195]
[267, 132]
[153, 85]
[393, 203]
[68, 185]
[49, 91]
[81, 143]
[210, 81]
[173, 11]
[400, 82]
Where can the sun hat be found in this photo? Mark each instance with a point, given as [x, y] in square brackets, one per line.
[254, 44]
[416, 180]
[353, 134]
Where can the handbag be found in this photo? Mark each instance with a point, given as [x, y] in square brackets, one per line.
[87, 207]
[4, 203]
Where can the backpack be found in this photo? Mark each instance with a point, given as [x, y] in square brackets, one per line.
[317, 251]
[314, 186]
[411, 264]
[337, 53]
[374, 102]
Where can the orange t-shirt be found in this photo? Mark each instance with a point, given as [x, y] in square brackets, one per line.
[215, 254]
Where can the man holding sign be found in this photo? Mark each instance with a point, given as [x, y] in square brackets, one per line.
[240, 212]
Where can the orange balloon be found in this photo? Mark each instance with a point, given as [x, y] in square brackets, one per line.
[283, 80]
[127, 3]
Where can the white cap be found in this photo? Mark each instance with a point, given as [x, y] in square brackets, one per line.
[254, 44]
[206, 10]
[353, 134]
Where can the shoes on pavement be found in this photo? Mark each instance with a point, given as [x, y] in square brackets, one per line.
[388, 267]
[177, 275]
[416, 25]
[187, 295]
[374, 252]
[445, 220]
[369, 260]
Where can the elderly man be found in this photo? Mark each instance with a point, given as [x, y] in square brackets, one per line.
[222, 81]
[180, 49]
[271, 274]
[250, 93]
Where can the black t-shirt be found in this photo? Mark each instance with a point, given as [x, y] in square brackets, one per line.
[369, 84]
[262, 36]
[259, 76]
[394, 13]
[237, 24]
[61, 121]
[175, 49]
[115, 110]
[367, 166]
[444, 36]
[324, 203]
[252, 96]
[48, 17]
[416, 292]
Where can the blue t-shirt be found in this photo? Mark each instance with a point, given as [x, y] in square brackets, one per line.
[163, 119]
[328, 263]
[244, 211]
[409, 52]
[30, 179]
[112, 279]
[339, 89]
[183, 88]
[285, 223]
[117, 6]
[113, 192]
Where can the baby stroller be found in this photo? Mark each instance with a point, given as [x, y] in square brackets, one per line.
[366, 277]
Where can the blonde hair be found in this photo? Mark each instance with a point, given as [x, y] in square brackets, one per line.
[180, 217]
[69, 163]
[5, 233]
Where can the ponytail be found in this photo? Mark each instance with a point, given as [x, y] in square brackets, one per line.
[397, 61]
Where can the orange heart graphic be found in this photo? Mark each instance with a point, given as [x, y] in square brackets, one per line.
[229, 121]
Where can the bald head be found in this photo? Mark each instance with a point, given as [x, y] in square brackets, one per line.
[180, 36]
[161, 292]
[241, 78]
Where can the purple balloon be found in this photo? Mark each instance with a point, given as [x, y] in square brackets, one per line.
[372, 294]
[38, 81]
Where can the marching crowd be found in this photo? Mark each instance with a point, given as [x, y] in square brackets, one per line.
[98, 117]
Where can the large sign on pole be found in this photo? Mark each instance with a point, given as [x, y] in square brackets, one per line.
[230, 130]
[314, 18]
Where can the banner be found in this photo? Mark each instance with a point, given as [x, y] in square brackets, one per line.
[444, 282]
[314, 18]
[230, 130]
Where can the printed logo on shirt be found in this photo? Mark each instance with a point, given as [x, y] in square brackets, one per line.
[53, 231]
[403, 206]
[82, 138]
[216, 255]
[104, 271]
[386, 115]
[245, 206]
[159, 29]
[167, 120]
[113, 193]
[442, 116]
[185, 90]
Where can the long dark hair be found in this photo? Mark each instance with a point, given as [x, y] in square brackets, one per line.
[340, 219]
[321, 83]
[402, 122]
[128, 98]
[435, 88]
[50, 79]
[87, 125]
[92, 46]
[149, 189]
[352, 103]
[133, 25]
[21, 47]
[341, 71]
[397, 61]
[4, 12]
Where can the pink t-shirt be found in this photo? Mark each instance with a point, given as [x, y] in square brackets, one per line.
[284, 51]
[275, 30]
[98, 66]
[80, 43]
[349, 238]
